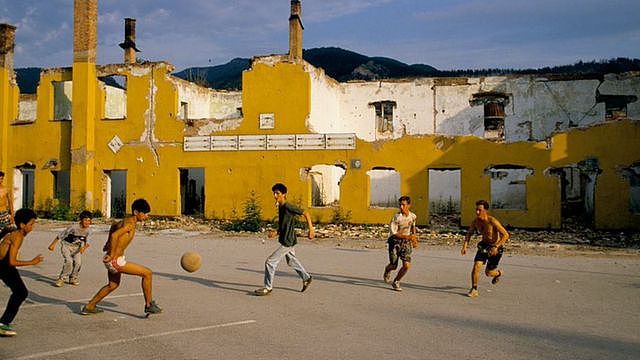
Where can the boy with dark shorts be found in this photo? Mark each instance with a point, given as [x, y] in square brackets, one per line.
[120, 237]
[287, 213]
[10, 245]
[401, 242]
[490, 248]
[73, 243]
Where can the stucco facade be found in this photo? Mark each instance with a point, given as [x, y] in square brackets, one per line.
[174, 142]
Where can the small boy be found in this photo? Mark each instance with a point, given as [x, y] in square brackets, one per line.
[401, 242]
[287, 237]
[73, 245]
[490, 248]
[10, 244]
[120, 237]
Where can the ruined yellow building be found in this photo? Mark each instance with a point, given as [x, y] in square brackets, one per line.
[540, 149]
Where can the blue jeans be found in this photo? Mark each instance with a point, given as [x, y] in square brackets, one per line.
[274, 259]
[72, 260]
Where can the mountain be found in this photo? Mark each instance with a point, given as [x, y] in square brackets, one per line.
[340, 64]
[345, 65]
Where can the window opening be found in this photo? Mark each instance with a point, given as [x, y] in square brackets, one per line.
[62, 95]
[325, 185]
[508, 187]
[384, 116]
[384, 187]
[115, 104]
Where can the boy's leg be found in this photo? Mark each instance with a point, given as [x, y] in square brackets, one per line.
[77, 264]
[114, 282]
[393, 261]
[271, 264]
[475, 275]
[292, 260]
[406, 265]
[19, 293]
[66, 249]
[146, 275]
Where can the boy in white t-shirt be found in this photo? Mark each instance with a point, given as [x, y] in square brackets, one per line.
[402, 240]
[73, 243]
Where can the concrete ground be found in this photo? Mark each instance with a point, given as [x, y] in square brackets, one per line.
[569, 307]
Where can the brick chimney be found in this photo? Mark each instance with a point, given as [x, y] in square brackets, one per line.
[129, 43]
[7, 43]
[85, 30]
[295, 31]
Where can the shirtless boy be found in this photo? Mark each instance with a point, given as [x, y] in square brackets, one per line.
[6, 205]
[120, 236]
[490, 248]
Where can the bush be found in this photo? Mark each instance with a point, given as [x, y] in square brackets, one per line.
[340, 217]
[252, 219]
[54, 209]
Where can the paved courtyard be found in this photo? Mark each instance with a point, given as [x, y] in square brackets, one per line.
[568, 307]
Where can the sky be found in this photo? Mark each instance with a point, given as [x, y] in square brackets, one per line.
[446, 34]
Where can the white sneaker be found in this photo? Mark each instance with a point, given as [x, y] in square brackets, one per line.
[6, 330]
[59, 282]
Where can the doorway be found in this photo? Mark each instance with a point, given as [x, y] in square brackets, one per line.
[192, 191]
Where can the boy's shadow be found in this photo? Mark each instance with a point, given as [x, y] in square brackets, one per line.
[373, 283]
[74, 306]
[208, 282]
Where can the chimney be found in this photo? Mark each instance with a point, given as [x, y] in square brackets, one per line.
[85, 29]
[129, 44]
[7, 43]
[295, 31]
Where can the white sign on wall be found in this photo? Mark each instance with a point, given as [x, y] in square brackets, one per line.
[267, 121]
[115, 144]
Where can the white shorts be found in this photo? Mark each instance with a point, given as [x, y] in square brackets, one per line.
[115, 266]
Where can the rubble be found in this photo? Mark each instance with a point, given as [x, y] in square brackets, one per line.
[573, 239]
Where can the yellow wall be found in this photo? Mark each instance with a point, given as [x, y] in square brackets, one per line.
[153, 153]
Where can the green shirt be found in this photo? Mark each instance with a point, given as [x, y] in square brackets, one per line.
[286, 224]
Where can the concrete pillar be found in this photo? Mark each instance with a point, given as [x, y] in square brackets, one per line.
[129, 43]
[295, 31]
[8, 94]
[83, 107]
[7, 43]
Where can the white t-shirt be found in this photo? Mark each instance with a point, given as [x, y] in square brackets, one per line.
[401, 224]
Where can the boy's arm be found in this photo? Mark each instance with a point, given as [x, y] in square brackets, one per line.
[16, 242]
[53, 244]
[307, 216]
[467, 237]
[504, 235]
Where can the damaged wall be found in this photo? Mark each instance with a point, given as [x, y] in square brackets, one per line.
[152, 152]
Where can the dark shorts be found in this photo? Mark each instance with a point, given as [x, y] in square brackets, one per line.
[483, 255]
[399, 249]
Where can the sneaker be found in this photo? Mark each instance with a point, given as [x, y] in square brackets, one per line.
[74, 282]
[306, 283]
[262, 292]
[153, 308]
[387, 277]
[6, 330]
[59, 282]
[396, 286]
[473, 293]
[87, 311]
[496, 279]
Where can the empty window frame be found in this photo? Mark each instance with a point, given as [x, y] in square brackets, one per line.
[633, 174]
[325, 185]
[192, 191]
[62, 95]
[61, 186]
[384, 187]
[183, 111]
[615, 105]
[509, 187]
[444, 191]
[115, 103]
[384, 116]
[494, 115]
